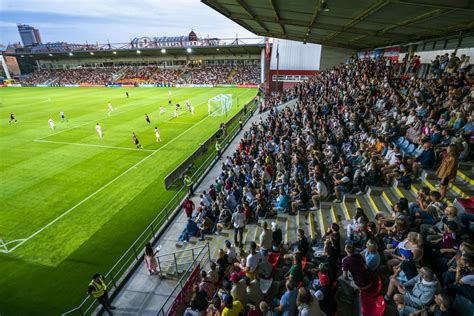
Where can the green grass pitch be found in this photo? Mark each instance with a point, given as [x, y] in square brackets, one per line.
[72, 202]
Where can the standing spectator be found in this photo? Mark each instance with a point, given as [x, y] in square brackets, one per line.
[150, 260]
[238, 219]
[447, 170]
[98, 290]
[188, 206]
[287, 303]
[265, 239]
[354, 264]
[304, 301]
[277, 237]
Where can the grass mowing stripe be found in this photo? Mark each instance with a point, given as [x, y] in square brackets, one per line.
[90, 145]
[105, 186]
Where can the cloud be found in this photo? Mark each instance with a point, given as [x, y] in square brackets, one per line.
[117, 20]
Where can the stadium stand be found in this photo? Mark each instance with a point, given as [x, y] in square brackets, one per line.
[150, 74]
[361, 151]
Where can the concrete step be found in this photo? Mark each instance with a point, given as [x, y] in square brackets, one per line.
[312, 225]
[362, 201]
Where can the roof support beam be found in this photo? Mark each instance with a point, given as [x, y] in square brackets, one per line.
[277, 16]
[313, 18]
[252, 15]
[366, 13]
[417, 19]
[440, 4]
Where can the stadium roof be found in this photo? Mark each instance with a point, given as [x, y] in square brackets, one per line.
[238, 49]
[354, 24]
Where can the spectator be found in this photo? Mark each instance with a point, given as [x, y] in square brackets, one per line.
[287, 303]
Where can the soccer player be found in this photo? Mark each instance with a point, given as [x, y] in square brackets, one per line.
[147, 119]
[136, 141]
[126, 93]
[63, 118]
[170, 103]
[191, 109]
[162, 110]
[176, 112]
[51, 123]
[12, 118]
[157, 134]
[98, 128]
[110, 109]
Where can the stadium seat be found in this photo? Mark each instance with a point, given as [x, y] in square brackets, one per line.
[410, 149]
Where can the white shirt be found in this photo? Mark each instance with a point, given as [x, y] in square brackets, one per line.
[252, 261]
[98, 128]
[157, 133]
[51, 122]
[322, 189]
[238, 219]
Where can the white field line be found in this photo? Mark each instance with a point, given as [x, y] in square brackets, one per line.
[105, 186]
[90, 145]
[103, 118]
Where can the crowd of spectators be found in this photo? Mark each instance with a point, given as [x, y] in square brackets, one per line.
[209, 74]
[150, 74]
[247, 75]
[97, 76]
[341, 137]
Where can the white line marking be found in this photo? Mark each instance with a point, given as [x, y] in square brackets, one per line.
[91, 145]
[105, 186]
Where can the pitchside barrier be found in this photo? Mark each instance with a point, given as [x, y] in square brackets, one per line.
[177, 174]
[132, 258]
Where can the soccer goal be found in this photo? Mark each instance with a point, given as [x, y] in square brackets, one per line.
[219, 105]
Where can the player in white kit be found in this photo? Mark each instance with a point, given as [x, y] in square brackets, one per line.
[176, 112]
[157, 134]
[51, 123]
[110, 109]
[98, 128]
[162, 110]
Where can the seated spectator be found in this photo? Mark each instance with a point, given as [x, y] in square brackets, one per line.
[190, 230]
[207, 285]
[232, 307]
[239, 289]
[254, 293]
[371, 256]
[417, 293]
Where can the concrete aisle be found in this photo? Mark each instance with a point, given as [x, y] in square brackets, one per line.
[144, 294]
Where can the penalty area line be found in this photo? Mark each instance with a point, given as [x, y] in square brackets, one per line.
[106, 185]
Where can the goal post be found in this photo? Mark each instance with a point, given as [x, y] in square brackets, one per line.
[219, 105]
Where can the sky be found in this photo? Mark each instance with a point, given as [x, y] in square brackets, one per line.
[116, 21]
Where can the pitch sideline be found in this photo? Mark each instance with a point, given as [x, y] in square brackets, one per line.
[104, 187]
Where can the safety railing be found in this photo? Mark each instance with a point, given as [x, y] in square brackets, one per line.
[202, 258]
[116, 277]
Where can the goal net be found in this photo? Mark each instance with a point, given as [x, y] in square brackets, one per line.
[219, 105]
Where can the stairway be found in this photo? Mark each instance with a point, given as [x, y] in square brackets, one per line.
[315, 223]
[231, 74]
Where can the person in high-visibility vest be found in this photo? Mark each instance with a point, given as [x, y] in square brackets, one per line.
[98, 290]
[218, 149]
[189, 183]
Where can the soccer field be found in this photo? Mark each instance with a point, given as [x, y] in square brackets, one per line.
[72, 202]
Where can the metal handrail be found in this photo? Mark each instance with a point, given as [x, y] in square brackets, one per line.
[115, 279]
[202, 262]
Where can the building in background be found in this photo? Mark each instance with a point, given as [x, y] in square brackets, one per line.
[30, 36]
[292, 62]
